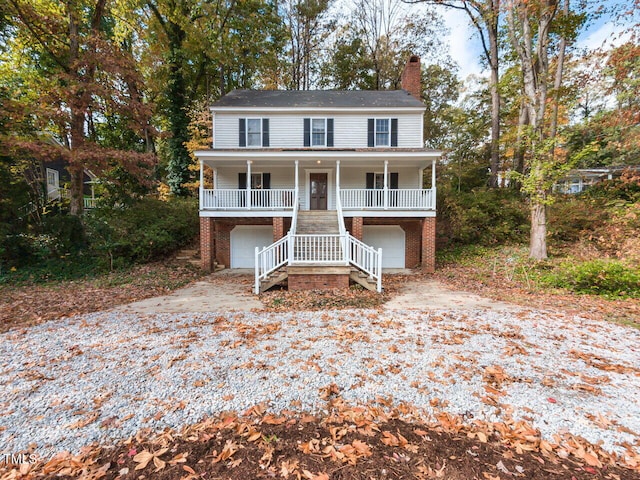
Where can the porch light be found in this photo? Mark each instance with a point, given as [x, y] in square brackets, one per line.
[318, 162]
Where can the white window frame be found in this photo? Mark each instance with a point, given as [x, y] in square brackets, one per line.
[246, 133]
[379, 177]
[53, 180]
[324, 135]
[255, 175]
[375, 132]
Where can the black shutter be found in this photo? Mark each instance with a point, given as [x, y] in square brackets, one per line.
[370, 180]
[329, 132]
[371, 125]
[266, 180]
[265, 132]
[394, 132]
[307, 132]
[393, 180]
[242, 180]
[242, 140]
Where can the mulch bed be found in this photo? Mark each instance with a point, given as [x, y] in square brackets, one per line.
[347, 443]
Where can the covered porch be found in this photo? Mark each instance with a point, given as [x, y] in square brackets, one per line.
[267, 182]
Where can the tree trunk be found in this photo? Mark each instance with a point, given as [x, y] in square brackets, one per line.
[523, 121]
[492, 30]
[538, 240]
[558, 79]
[77, 191]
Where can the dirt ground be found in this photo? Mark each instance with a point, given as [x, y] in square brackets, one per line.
[231, 290]
[222, 291]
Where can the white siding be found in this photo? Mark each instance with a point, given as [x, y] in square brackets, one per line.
[355, 177]
[350, 177]
[286, 130]
[281, 177]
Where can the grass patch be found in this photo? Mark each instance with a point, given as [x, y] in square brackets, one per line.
[609, 278]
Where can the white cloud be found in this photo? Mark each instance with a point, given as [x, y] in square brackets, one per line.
[607, 35]
[464, 43]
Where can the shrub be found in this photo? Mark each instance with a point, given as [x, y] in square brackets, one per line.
[599, 277]
[147, 230]
[484, 216]
[572, 217]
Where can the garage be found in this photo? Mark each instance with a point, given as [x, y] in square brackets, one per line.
[388, 237]
[245, 239]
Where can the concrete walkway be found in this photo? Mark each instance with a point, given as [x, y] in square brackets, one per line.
[231, 290]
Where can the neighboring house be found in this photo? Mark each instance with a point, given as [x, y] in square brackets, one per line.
[56, 176]
[577, 181]
[330, 182]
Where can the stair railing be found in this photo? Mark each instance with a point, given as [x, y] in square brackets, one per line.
[271, 258]
[343, 230]
[357, 253]
[365, 258]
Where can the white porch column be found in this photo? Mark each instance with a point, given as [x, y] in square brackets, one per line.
[296, 174]
[433, 183]
[337, 177]
[385, 185]
[200, 199]
[214, 181]
[248, 185]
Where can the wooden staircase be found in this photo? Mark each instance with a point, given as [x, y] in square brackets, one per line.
[325, 250]
[317, 221]
[362, 279]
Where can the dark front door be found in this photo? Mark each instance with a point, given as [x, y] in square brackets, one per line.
[318, 200]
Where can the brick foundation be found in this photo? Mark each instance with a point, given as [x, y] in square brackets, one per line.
[318, 282]
[207, 243]
[413, 243]
[429, 244]
[356, 227]
[278, 228]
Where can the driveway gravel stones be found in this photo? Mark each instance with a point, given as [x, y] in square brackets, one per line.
[103, 377]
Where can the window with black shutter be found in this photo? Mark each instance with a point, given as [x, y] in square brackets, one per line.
[382, 132]
[253, 132]
[318, 132]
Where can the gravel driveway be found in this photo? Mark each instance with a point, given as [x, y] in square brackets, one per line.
[102, 377]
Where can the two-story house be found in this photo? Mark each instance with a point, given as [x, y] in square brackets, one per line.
[319, 187]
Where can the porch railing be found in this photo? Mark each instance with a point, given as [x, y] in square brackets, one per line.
[238, 199]
[318, 249]
[391, 199]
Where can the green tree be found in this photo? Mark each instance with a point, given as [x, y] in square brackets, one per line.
[207, 49]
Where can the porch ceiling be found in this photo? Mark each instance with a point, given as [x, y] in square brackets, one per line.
[320, 158]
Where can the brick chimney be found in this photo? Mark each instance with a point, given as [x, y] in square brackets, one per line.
[410, 80]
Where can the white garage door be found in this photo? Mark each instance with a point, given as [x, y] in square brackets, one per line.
[245, 239]
[388, 237]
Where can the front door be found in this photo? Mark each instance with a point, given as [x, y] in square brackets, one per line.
[318, 200]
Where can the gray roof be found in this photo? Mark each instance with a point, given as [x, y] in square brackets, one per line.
[318, 98]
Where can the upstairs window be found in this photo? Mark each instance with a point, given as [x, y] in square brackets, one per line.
[382, 132]
[253, 132]
[318, 132]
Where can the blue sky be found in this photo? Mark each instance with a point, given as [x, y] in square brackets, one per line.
[465, 47]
